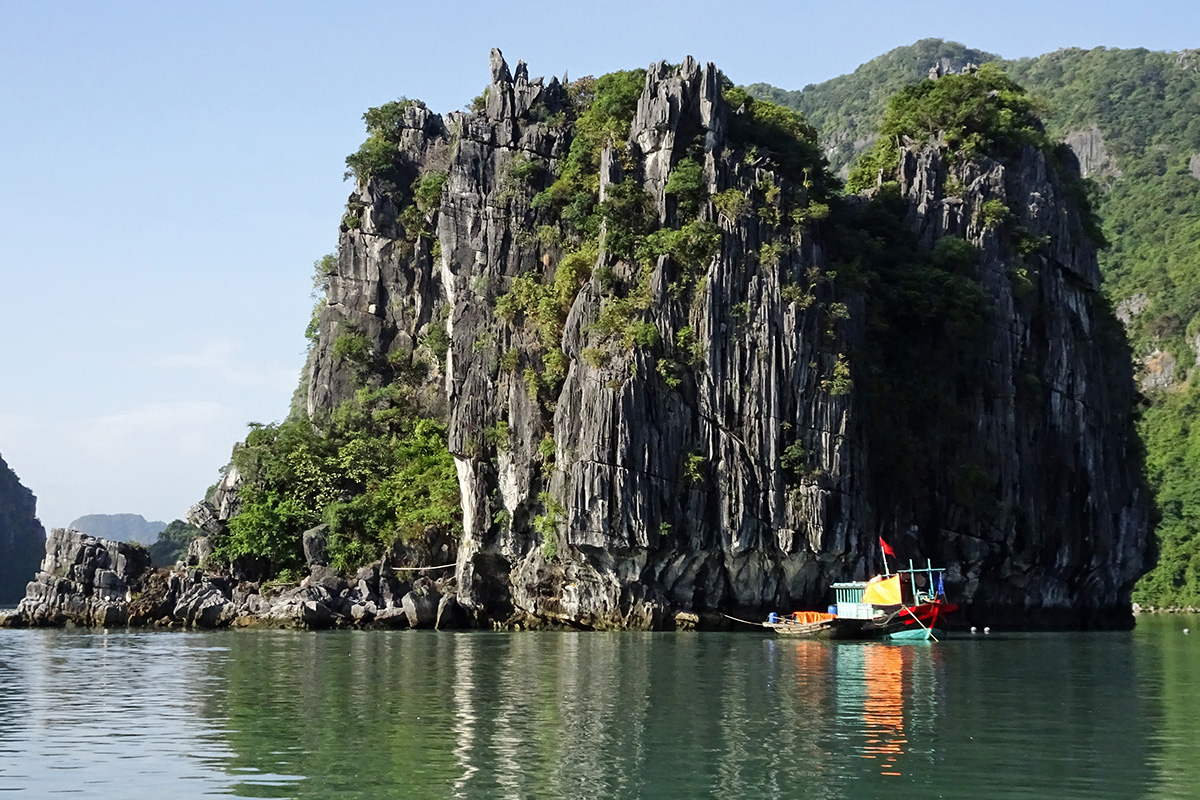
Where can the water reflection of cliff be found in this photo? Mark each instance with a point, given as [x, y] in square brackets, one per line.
[1169, 660]
[557, 715]
[479, 715]
[629, 715]
[95, 714]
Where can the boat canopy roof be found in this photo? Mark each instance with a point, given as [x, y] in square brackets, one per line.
[885, 592]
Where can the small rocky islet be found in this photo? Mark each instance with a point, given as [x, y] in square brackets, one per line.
[102, 583]
[681, 374]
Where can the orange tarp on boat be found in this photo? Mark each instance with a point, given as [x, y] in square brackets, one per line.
[805, 617]
[884, 593]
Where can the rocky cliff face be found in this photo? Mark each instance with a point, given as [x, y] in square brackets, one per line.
[616, 474]
[1067, 529]
[21, 536]
[1094, 159]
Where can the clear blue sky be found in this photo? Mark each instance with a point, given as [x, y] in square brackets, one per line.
[170, 171]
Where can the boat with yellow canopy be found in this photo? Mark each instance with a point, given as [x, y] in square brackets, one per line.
[905, 605]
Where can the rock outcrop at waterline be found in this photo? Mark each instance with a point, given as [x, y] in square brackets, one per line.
[724, 466]
[22, 537]
[96, 582]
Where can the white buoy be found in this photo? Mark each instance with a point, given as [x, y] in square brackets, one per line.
[987, 629]
[972, 629]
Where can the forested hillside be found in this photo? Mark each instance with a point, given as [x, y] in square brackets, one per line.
[1133, 118]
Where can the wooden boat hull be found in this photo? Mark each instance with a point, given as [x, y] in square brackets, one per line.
[815, 630]
[900, 623]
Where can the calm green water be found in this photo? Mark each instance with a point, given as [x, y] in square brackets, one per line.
[547, 715]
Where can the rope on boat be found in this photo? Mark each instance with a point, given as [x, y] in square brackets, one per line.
[744, 621]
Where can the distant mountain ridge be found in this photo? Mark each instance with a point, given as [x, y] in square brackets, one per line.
[22, 538]
[120, 527]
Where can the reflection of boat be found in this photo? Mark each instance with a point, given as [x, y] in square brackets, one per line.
[884, 671]
[906, 604]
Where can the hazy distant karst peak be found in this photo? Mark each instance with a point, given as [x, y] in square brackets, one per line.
[119, 527]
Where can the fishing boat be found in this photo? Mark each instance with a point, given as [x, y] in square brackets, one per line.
[907, 604]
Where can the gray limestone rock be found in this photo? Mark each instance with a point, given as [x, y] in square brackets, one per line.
[315, 614]
[366, 582]
[226, 498]
[206, 517]
[947, 66]
[449, 614]
[326, 577]
[1094, 159]
[83, 580]
[22, 538]
[198, 551]
[1131, 306]
[1194, 165]
[363, 613]
[421, 608]
[315, 546]
[204, 605]
[1065, 466]
[1158, 371]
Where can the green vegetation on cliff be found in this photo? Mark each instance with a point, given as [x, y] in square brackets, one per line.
[172, 542]
[846, 110]
[1171, 432]
[926, 312]
[377, 155]
[572, 218]
[602, 111]
[375, 472]
[926, 327]
[981, 113]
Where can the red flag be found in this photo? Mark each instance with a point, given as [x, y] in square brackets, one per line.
[887, 551]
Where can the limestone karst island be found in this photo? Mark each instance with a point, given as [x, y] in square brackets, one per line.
[654, 350]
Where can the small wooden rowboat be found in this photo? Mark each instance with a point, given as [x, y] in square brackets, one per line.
[802, 623]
